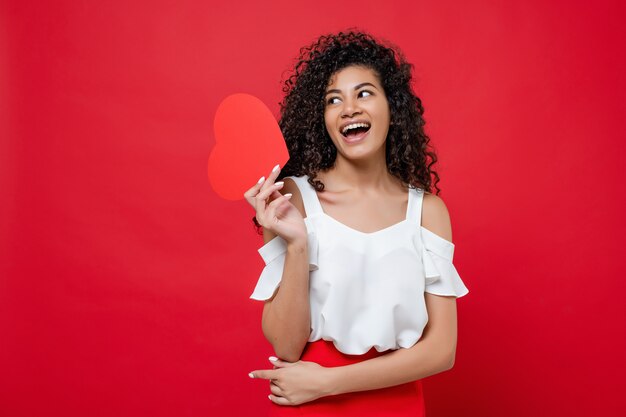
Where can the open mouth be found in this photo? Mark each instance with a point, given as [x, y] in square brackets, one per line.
[355, 130]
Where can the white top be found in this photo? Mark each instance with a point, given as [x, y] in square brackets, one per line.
[366, 289]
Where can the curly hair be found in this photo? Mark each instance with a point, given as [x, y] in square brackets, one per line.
[409, 154]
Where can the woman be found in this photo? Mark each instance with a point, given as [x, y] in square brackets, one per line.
[359, 286]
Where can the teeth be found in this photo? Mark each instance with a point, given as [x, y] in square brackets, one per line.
[354, 126]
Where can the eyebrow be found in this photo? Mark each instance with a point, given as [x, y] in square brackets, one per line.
[355, 88]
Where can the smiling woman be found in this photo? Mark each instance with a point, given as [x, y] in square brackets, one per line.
[356, 106]
[359, 285]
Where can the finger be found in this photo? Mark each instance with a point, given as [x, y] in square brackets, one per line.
[280, 363]
[254, 190]
[264, 374]
[271, 177]
[267, 192]
[268, 183]
[272, 208]
[279, 400]
[275, 389]
[260, 199]
[274, 174]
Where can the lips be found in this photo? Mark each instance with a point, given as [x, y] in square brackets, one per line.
[355, 137]
[353, 131]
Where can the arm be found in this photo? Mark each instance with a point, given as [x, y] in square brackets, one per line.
[286, 320]
[433, 353]
[300, 382]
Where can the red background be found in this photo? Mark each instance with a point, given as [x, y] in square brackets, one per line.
[124, 278]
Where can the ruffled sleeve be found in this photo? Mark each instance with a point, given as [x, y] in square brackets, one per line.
[273, 254]
[442, 277]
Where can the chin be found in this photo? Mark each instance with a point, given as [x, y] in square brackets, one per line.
[359, 154]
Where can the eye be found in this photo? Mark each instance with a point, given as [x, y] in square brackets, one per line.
[364, 93]
[332, 100]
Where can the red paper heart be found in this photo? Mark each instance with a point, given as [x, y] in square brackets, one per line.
[248, 144]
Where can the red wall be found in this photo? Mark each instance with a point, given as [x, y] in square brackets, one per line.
[124, 280]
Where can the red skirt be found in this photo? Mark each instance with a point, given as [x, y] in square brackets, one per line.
[399, 401]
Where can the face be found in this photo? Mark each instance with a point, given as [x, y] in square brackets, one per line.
[357, 113]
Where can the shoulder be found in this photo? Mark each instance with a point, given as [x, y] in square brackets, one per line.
[296, 199]
[435, 216]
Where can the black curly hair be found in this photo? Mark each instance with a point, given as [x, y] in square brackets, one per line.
[409, 154]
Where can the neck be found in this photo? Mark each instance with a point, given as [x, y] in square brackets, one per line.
[366, 174]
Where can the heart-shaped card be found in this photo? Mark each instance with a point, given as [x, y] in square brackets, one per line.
[248, 144]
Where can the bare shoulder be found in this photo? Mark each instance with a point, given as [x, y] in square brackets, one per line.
[291, 187]
[435, 216]
[296, 199]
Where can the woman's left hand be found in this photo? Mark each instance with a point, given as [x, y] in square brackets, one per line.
[293, 383]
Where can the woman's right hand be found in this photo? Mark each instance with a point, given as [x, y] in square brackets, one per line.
[279, 216]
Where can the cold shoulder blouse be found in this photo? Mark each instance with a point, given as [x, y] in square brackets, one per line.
[366, 289]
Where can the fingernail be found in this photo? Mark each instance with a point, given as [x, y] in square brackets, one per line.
[280, 183]
[261, 179]
[273, 358]
[251, 375]
[270, 397]
[276, 168]
[288, 195]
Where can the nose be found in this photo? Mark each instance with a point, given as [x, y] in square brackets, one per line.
[350, 108]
